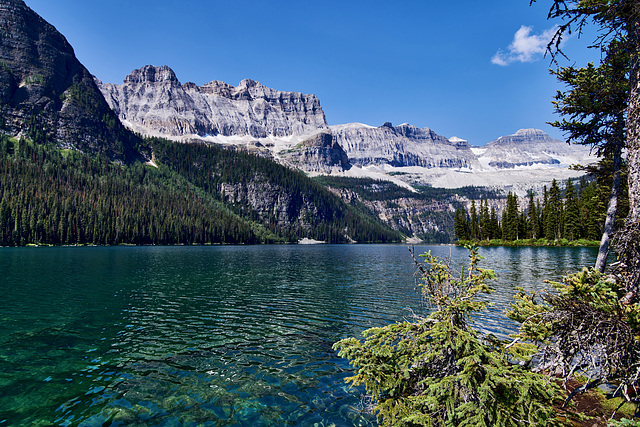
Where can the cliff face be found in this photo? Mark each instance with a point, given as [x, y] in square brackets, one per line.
[271, 204]
[319, 154]
[403, 145]
[528, 147]
[290, 127]
[416, 217]
[45, 92]
[152, 101]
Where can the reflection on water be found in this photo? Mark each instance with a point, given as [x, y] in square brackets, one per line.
[213, 335]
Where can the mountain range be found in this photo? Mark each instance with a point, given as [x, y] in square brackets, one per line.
[78, 147]
[152, 101]
[291, 127]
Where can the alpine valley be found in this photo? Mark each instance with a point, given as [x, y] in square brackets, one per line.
[155, 161]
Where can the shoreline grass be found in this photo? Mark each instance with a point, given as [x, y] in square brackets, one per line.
[529, 242]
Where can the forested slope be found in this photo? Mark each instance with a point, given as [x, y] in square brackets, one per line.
[283, 200]
[53, 196]
[426, 214]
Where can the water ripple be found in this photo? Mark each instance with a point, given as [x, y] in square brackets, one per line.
[213, 336]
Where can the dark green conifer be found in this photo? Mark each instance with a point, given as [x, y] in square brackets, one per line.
[510, 219]
[440, 371]
[485, 220]
[553, 213]
[532, 216]
[495, 225]
[571, 213]
[461, 228]
[474, 224]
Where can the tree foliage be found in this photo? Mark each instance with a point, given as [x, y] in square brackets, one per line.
[575, 214]
[306, 208]
[438, 370]
[594, 108]
[584, 328]
[618, 22]
[425, 213]
[594, 111]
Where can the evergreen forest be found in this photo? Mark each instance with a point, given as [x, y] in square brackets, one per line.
[63, 197]
[573, 214]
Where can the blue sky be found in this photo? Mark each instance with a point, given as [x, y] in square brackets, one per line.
[467, 68]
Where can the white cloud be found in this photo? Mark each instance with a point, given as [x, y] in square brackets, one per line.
[499, 58]
[525, 47]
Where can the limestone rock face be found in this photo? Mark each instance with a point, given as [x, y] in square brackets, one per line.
[319, 154]
[272, 203]
[419, 218]
[45, 92]
[529, 147]
[403, 145]
[152, 101]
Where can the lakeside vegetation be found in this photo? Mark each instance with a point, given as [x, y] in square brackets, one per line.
[425, 213]
[56, 197]
[437, 371]
[529, 242]
[375, 189]
[573, 216]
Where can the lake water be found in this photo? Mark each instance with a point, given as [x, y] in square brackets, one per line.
[236, 335]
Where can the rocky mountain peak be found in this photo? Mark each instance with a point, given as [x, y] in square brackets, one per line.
[152, 74]
[248, 83]
[319, 154]
[400, 146]
[417, 134]
[530, 132]
[525, 136]
[47, 94]
[217, 87]
[216, 108]
[528, 147]
[458, 142]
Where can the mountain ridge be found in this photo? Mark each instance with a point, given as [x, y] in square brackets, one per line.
[280, 124]
[48, 94]
[215, 108]
[73, 174]
[399, 146]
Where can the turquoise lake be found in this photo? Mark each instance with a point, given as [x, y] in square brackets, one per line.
[231, 335]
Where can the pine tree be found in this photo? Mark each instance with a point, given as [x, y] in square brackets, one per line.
[485, 220]
[617, 24]
[553, 213]
[461, 228]
[440, 371]
[571, 213]
[495, 224]
[524, 228]
[474, 224]
[596, 105]
[533, 216]
[539, 227]
[511, 219]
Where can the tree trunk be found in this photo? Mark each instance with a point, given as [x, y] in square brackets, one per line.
[633, 123]
[603, 253]
[628, 245]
